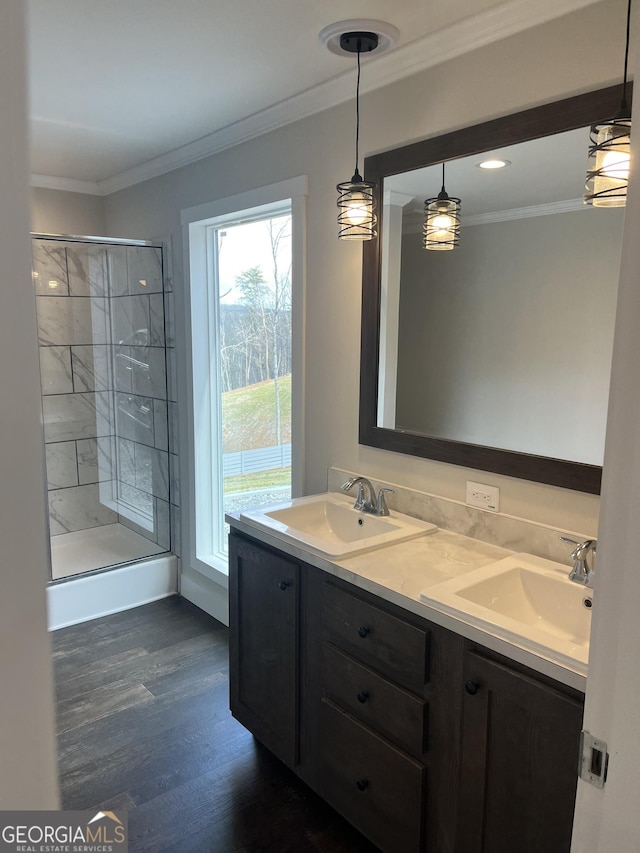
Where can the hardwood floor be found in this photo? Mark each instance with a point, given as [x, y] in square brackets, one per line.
[144, 725]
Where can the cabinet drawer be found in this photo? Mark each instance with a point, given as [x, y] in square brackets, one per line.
[398, 715]
[379, 789]
[388, 644]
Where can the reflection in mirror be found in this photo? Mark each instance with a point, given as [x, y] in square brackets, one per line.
[505, 342]
[496, 355]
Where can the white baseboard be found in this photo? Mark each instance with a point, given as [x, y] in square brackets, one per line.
[205, 594]
[92, 596]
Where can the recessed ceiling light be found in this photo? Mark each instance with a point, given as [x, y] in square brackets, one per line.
[493, 163]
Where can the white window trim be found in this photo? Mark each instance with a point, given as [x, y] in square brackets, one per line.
[197, 460]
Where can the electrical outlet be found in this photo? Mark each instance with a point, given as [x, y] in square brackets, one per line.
[485, 497]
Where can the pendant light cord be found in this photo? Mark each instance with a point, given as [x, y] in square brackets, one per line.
[358, 108]
[624, 105]
[443, 176]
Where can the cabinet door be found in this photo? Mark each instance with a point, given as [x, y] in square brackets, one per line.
[264, 645]
[520, 746]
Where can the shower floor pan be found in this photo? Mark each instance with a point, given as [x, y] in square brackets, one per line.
[97, 548]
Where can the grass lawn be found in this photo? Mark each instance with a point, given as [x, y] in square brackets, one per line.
[260, 480]
[248, 416]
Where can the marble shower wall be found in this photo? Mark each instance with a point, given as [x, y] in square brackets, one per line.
[103, 332]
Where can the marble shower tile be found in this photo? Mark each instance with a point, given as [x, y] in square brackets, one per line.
[49, 268]
[69, 416]
[106, 457]
[91, 368]
[87, 265]
[160, 424]
[126, 461]
[55, 370]
[71, 320]
[144, 265]
[141, 501]
[156, 320]
[78, 508]
[170, 319]
[152, 471]
[134, 418]
[87, 449]
[173, 427]
[149, 373]
[172, 375]
[162, 523]
[123, 368]
[104, 413]
[176, 533]
[174, 479]
[130, 320]
[62, 466]
[75, 416]
[117, 270]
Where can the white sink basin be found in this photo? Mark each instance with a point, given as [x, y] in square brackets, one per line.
[330, 525]
[526, 600]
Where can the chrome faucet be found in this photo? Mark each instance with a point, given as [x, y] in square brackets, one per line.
[583, 571]
[376, 506]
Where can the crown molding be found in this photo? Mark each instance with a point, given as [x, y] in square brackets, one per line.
[570, 205]
[498, 22]
[69, 185]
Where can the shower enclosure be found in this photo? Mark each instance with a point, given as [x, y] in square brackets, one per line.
[104, 333]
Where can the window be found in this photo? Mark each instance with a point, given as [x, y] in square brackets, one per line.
[245, 292]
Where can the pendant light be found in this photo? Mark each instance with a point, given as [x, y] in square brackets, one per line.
[356, 218]
[441, 229]
[610, 151]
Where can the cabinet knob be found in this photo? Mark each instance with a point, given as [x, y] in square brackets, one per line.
[363, 696]
[362, 784]
[363, 631]
[283, 585]
[471, 687]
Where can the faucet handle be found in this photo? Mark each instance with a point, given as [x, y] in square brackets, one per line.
[381, 506]
[582, 548]
[582, 571]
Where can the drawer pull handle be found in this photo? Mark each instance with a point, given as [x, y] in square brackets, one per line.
[363, 631]
[363, 696]
[471, 687]
[283, 585]
[362, 784]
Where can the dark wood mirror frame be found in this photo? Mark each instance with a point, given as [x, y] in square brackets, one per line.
[568, 114]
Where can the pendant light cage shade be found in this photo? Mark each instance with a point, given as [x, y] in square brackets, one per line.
[608, 166]
[610, 149]
[441, 228]
[357, 218]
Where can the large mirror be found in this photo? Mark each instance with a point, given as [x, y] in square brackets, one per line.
[495, 355]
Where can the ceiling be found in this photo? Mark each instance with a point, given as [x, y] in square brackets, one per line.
[542, 172]
[125, 89]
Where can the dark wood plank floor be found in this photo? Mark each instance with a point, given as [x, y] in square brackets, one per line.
[144, 725]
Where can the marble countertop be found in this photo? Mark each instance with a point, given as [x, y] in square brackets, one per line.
[399, 573]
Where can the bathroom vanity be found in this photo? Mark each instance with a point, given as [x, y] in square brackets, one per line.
[418, 733]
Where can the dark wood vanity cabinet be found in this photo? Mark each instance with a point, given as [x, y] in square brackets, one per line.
[423, 741]
[264, 603]
[519, 770]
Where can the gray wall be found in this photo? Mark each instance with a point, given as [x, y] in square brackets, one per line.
[57, 212]
[507, 340]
